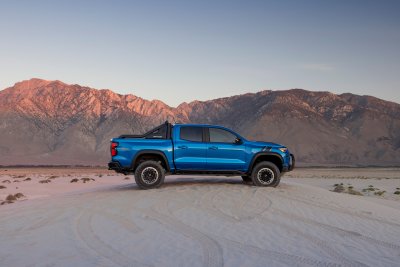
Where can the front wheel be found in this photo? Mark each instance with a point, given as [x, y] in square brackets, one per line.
[266, 174]
[149, 174]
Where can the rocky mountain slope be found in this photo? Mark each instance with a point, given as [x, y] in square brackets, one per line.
[50, 122]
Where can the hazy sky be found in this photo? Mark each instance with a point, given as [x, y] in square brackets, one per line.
[179, 51]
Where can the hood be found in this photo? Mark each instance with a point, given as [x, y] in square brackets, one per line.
[264, 144]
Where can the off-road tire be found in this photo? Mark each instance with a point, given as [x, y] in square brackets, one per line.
[246, 178]
[149, 174]
[266, 173]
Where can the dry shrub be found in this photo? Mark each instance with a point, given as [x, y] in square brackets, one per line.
[53, 177]
[6, 181]
[354, 192]
[46, 181]
[339, 188]
[11, 198]
[87, 179]
[380, 193]
[19, 195]
[2, 187]
[75, 180]
[27, 179]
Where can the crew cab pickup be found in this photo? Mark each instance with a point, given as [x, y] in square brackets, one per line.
[198, 149]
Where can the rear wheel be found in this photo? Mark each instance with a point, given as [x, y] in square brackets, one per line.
[266, 174]
[149, 174]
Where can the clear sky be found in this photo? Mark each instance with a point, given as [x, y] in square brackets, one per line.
[179, 51]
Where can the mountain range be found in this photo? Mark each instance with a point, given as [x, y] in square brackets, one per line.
[52, 123]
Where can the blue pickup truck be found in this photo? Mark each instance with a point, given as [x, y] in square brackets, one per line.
[198, 149]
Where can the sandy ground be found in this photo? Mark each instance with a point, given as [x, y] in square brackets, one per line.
[199, 221]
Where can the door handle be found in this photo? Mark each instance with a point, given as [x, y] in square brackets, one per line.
[213, 147]
[182, 147]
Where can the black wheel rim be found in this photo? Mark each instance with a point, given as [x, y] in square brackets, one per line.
[265, 176]
[149, 175]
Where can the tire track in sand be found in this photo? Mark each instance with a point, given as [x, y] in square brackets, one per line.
[321, 244]
[251, 196]
[85, 232]
[212, 251]
[252, 203]
[337, 230]
[292, 260]
[88, 236]
[289, 259]
[335, 209]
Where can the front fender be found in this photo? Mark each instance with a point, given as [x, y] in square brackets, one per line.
[265, 153]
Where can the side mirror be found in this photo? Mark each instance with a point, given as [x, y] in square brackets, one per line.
[238, 141]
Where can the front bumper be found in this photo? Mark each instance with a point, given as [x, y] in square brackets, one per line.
[291, 165]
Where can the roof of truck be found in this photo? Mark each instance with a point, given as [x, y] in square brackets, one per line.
[198, 125]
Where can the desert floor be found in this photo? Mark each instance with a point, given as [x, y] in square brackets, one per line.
[103, 219]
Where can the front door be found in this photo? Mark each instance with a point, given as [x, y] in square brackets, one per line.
[223, 152]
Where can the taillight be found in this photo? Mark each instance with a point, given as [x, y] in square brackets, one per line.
[114, 151]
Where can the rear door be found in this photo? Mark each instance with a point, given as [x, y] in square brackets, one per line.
[190, 148]
[223, 152]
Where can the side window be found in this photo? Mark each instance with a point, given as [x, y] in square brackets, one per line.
[221, 136]
[194, 134]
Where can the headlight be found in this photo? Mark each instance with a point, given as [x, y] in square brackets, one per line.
[283, 149]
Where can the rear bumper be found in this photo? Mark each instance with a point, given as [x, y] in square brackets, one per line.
[113, 165]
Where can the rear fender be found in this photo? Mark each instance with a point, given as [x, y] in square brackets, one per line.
[150, 152]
